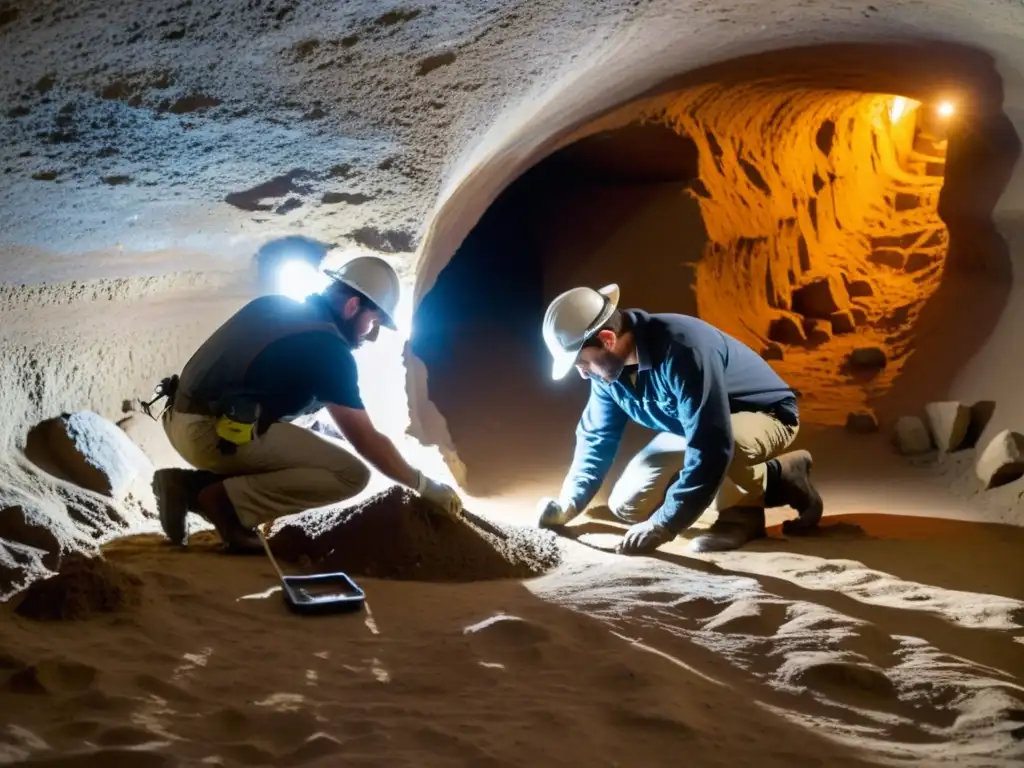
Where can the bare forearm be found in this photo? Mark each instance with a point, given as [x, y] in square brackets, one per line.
[382, 454]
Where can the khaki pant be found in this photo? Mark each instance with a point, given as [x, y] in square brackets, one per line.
[758, 438]
[285, 470]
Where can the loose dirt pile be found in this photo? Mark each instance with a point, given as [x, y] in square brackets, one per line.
[83, 586]
[395, 535]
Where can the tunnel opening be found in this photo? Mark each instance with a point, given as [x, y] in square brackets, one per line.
[804, 202]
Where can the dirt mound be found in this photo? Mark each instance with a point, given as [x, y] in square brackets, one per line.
[394, 535]
[82, 587]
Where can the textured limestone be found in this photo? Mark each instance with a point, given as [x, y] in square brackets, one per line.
[89, 451]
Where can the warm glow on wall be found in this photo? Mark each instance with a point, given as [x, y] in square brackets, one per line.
[897, 108]
[946, 109]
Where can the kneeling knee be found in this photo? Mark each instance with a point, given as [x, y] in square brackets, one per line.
[355, 478]
[360, 477]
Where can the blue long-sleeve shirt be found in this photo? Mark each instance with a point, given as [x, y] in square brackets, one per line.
[690, 378]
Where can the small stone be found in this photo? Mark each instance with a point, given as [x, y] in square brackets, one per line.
[868, 357]
[949, 422]
[859, 314]
[818, 331]
[857, 288]
[843, 322]
[787, 329]
[887, 258]
[821, 298]
[911, 436]
[772, 351]
[1002, 461]
[862, 422]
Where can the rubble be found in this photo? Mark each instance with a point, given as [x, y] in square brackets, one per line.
[1002, 461]
[818, 331]
[787, 329]
[843, 322]
[821, 298]
[772, 351]
[911, 436]
[948, 422]
[868, 357]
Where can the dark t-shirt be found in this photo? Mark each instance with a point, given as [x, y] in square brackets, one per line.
[301, 374]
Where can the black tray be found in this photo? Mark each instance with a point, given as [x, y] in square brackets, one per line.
[322, 593]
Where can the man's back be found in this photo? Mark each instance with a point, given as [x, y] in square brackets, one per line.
[288, 355]
[750, 383]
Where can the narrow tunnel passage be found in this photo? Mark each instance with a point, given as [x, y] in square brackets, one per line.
[802, 213]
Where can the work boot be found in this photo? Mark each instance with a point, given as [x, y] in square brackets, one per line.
[734, 527]
[216, 507]
[789, 485]
[177, 494]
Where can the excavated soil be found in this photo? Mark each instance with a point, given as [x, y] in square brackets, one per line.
[394, 535]
[83, 587]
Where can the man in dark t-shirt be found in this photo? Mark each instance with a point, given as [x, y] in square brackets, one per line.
[292, 358]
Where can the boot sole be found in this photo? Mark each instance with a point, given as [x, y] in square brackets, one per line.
[171, 497]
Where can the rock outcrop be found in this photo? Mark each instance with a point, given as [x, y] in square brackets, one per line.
[821, 298]
[1002, 461]
[948, 422]
[911, 436]
[85, 449]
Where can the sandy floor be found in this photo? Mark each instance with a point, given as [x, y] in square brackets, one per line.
[777, 655]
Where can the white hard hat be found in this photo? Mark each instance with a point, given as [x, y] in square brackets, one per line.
[375, 279]
[572, 318]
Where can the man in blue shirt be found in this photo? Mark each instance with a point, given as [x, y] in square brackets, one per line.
[723, 417]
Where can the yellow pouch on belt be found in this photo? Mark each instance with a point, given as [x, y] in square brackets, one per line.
[235, 432]
[238, 418]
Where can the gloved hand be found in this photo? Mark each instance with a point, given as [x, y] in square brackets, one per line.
[644, 537]
[552, 512]
[441, 496]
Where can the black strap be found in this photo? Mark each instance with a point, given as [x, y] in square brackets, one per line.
[166, 389]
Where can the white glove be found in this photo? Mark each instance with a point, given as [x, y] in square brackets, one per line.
[552, 512]
[440, 495]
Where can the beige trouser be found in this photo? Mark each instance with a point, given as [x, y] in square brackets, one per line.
[285, 470]
[758, 438]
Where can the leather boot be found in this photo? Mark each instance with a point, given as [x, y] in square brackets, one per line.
[789, 485]
[734, 527]
[177, 494]
[216, 507]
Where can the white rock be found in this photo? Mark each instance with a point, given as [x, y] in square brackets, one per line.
[949, 422]
[911, 436]
[89, 451]
[1002, 461]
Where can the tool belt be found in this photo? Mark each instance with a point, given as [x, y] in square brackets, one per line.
[236, 416]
